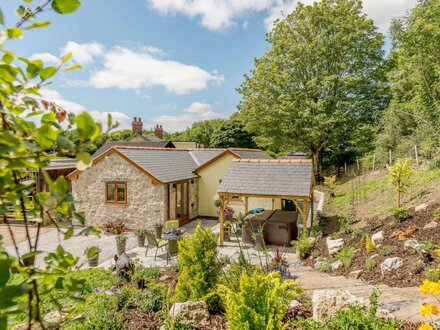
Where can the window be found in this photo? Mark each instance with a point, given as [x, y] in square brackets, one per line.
[116, 192]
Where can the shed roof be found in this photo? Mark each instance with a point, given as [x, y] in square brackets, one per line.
[61, 164]
[268, 177]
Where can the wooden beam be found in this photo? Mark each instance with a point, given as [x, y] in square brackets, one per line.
[305, 214]
[273, 203]
[222, 219]
[246, 205]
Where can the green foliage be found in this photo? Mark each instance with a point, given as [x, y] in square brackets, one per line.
[435, 164]
[357, 234]
[346, 255]
[199, 266]
[140, 232]
[151, 299]
[145, 273]
[322, 218]
[214, 302]
[436, 213]
[303, 245]
[400, 176]
[370, 264]
[432, 274]
[345, 222]
[289, 107]
[325, 266]
[260, 303]
[315, 254]
[369, 245]
[101, 312]
[232, 134]
[388, 250]
[400, 213]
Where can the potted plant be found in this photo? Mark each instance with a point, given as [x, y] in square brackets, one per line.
[140, 234]
[121, 241]
[228, 213]
[158, 227]
[114, 227]
[92, 254]
[228, 230]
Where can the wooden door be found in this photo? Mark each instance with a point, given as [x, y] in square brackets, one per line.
[182, 203]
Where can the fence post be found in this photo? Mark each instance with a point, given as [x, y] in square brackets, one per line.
[391, 160]
[374, 162]
[417, 155]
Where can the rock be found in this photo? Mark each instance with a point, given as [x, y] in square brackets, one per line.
[421, 207]
[418, 267]
[391, 264]
[431, 225]
[412, 243]
[377, 238]
[385, 314]
[24, 326]
[294, 303]
[191, 313]
[327, 302]
[354, 275]
[336, 265]
[54, 317]
[165, 278]
[334, 245]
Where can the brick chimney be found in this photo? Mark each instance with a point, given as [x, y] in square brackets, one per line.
[158, 131]
[136, 125]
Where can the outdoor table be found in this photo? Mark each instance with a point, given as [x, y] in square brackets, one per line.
[172, 237]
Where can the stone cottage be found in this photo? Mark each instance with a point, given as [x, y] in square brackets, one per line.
[143, 186]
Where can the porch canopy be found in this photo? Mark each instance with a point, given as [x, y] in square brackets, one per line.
[267, 178]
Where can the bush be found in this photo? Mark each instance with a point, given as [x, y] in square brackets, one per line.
[346, 255]
[345, 221]
[303, 245]
[260, 303]
[400, 213]
[322, 218]
[370, 264]
[315, 254]
[388, 250]
[147, 274]
[214, 302]
[101, 312]
[369, 245]
[357, 234]
[151, 299]
[432, 274]
[435, 164]
[199, 267]
[325, 266]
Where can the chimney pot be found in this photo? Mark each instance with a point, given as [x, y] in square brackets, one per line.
[136, 126]
[158, 131]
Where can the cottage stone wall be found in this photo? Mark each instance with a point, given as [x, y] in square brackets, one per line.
[146, 202]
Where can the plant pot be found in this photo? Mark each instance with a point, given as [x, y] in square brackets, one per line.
[158, 232]
[141, 240]
[94, 261]
[259, 241]
[120, 246]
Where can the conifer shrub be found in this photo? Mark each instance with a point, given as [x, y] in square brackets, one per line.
[369, 244]
[199, 268]
[260, 303]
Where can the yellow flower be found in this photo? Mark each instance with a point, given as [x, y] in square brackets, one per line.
[437, 252]
[429, 287]
[428, 309]
[425, 326]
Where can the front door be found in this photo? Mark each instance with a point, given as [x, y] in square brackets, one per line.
[182, 203]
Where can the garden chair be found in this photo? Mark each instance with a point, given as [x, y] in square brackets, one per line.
[158, 244]
[171, 223]
[173, 248]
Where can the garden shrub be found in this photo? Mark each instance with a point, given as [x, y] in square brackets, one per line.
[199, 267]
[260, 303]
[357, 234]
[346, 255]
[345, 221]
[325, 266]
[370, 264]
[400, 213]
[151, 299]
[322, 218]
[147, 274]
[388, 250]
[214, 302]
[101, 311]
[432, 274]
[369, 245]
[303, 245]
[435, 164]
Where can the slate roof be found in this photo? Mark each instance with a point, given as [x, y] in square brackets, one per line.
[268, 177]
[167, 165]
[61, 164]
[251, 153]
[201, 156]
[159, 144]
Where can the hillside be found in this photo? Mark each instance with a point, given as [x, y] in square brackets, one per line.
[372, 195]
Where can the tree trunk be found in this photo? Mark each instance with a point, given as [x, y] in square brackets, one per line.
[317, 162]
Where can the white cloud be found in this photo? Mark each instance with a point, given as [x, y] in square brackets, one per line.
[217, 15]
[47, 58]
[125, 68]
[76, 108]
[83, 53]
[195, 112]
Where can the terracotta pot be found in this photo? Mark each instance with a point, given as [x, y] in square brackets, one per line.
[120, 246]
[158, 232]
[94, 261]
[141, 240]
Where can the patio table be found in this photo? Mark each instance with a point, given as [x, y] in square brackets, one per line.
[172, 237]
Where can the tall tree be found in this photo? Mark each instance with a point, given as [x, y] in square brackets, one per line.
[200, 132]
[232, 134]
[413, 116]
[321, 81]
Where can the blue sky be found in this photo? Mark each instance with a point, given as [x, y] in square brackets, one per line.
[170, 62]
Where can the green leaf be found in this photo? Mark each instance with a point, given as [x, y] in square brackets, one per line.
[84, 160]
[33, 68]
[66, 57]
[68, 234]
[2, 18]
[48, 72]
[87, 128]
[92, 252]
[8, 57]
[20, 11]
[64, 143]
[48, 118]
[65, 6]
[72, 67]
[46, 136]
[14, 32]
[37, 25]
[7, 73]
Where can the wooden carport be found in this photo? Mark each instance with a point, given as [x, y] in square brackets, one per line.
[289, 179]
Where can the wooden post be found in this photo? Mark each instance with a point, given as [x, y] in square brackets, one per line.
[391, 159]
[345, 168]
[304, 214]
[246, 205]
[273, 204]
[222, 219]
[374, 162]
[417, 155]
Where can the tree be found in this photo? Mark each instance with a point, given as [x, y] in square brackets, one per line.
[200, 132]
[232, 134]
[413, 116]
[30, 136]
[400, 176]
[321, 81]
